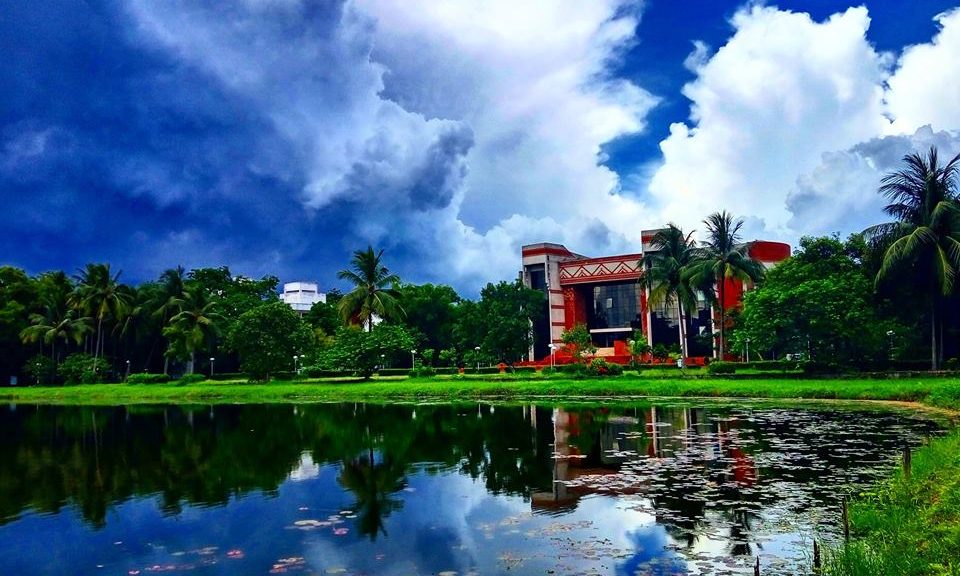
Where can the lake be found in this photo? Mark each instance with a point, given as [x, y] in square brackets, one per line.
[438, 489]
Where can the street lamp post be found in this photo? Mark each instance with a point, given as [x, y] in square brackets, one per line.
[477, 350]
[413, 359]
[211, 367]
[748, 350]
[553, 350]
[127, 377]
[890, 335]
[295, 358]
[383, 361]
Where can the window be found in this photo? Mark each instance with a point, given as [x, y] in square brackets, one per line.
[614, 305]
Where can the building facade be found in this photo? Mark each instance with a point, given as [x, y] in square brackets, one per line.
[605, 295]
[301, 296]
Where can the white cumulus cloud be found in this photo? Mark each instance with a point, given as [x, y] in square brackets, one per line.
[764, 107]
[925, 89]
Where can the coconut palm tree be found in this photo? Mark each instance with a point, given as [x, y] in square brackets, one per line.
[925, 237]
[663, 275]
[57, 322]
[100, 296]
[723, 256]
[193, 326]
[375, 290]
[165, 302]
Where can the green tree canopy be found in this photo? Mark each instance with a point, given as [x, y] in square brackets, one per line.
[267, 338]
[430, 314]
[500, 322]
[819, 301]
[360, 351]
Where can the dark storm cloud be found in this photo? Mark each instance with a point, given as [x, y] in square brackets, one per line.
[113, 152]
[435, 183]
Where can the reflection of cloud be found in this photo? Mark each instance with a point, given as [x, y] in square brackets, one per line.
[650, 557]
[306, 469]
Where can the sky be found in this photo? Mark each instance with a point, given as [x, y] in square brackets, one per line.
[278, 136]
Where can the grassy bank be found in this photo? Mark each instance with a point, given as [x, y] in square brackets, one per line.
[908, 526]
[943, 393]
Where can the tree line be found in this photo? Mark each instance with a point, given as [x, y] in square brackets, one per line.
[860, 303]
[92, 327]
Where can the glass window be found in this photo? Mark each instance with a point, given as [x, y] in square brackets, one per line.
[614, 305]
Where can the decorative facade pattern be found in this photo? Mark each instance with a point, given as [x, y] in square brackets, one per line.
[617, 268]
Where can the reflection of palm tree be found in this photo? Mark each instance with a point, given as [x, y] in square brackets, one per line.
[373, 483]
[740, 528]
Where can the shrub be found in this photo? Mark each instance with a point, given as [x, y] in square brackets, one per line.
[549, 371]
[718, 367]
[190, 379]
[228, 376]
[40, 368]
[600, 367]
[952, 364]
[818, 368]
[81, 368]
[423, 372]
[147, 378]
[770, 365]
[523, 369]
[575, 370]
[394, 372]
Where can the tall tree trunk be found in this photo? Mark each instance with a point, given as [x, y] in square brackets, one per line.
[933, 335]
[96, 349]
[683, 331]
[723, 316]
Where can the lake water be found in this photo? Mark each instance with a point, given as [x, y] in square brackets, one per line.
[432, 489]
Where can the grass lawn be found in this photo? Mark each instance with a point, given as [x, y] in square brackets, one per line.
[939, 392]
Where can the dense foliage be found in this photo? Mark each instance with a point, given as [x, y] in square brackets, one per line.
[267, 338]
[818, 303]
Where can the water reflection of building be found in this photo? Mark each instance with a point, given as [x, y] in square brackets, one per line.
[590, 449]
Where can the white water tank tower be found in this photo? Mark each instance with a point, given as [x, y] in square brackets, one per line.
[301, 296]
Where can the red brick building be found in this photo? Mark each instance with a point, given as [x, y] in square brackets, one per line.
[605, 294]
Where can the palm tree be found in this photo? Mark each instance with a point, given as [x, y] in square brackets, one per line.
[925, 237]
[722, 256]
[165, 303]
[193, 326]
[100, 295]
[374, 292]
[57, 322]
[664, 271]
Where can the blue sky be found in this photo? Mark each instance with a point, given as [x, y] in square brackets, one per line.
[276, 136]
